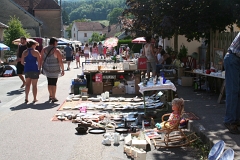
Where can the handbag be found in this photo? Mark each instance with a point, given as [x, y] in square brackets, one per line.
[46, 58]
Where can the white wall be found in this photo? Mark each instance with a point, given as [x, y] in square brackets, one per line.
[83, 39]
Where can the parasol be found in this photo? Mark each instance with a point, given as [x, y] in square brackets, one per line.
[18, 41]
[111, 42]
[3, 47]
[139, 40]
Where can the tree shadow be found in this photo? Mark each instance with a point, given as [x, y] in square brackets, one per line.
[38, 106]
[15, 92]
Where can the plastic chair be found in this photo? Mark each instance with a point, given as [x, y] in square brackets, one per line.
[173, 136]
[216, 150]
[227, 154]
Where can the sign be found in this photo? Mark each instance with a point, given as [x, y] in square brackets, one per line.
[142, 63]
[98, 77]
[109, 76]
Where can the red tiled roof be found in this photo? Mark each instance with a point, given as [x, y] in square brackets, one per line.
[89, 26]
[47, 4]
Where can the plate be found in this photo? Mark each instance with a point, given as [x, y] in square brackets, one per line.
[130, 119]
[96, 131]
[117, 118]
[121, 130]
[67, 108]
[61, 118]
[75, 99]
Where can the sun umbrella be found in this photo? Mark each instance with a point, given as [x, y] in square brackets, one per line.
[3, 47]
[18, 41]
[111, 42]
[139, 40]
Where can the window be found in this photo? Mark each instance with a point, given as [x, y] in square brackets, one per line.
[74, 35]
[74, 29]
[85, 34]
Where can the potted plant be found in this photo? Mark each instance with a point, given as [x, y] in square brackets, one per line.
[182, 55]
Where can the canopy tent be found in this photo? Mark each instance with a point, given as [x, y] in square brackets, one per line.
[4, 47]
[139, 40]
[63, 41]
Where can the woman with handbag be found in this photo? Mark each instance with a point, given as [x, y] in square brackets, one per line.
[52, 67]
[31, 60]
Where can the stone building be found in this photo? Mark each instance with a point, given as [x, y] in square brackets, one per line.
[41, 18]
[9, 9]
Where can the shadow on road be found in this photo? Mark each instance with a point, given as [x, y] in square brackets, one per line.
[38, 106]
[15, 92]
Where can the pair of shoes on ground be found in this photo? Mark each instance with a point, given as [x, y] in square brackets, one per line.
[53, 99]
[233, 127]
[34, 101]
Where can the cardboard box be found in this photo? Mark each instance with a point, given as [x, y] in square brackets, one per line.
[187, 81]
[181, 72]
[132, 66]
[117, 90]
[125, 65]
[97, 87]
[107, 88]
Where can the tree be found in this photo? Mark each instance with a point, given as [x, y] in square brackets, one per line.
[96, 37]
[15, 30]
[192, 18]
[65, 18]
[114, 14]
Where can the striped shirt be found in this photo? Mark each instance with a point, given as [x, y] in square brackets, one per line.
[235, 46]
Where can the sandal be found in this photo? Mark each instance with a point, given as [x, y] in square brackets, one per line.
[54, 100]
[26, 101]
[34, 101]
[232, 128]
[50, 98]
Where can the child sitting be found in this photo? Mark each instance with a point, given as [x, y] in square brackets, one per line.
[175, 116]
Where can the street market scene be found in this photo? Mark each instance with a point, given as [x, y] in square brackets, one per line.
[119, 80]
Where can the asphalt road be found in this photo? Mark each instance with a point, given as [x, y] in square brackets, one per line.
[27, 132]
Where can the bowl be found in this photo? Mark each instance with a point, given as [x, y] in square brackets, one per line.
[81, 129]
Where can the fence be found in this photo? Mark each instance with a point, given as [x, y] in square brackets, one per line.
[219, 45]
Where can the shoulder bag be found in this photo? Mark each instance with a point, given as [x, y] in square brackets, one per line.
[46, 58]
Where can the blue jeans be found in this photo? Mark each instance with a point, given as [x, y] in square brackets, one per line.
[232, 79]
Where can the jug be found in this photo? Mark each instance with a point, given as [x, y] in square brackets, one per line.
[116, 138]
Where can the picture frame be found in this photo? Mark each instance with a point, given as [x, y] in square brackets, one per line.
[218, 58]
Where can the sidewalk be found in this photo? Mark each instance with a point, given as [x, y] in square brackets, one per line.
[210, 125]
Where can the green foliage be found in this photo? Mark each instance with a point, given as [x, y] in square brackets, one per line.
[135, 48]
[203, 149]
[183, 52]
[194, 19]
[94, 10]
[96, 37]
[14, 31]
[65, 18]
[114, 14]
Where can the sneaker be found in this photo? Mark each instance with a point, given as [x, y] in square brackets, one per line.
[232, 128]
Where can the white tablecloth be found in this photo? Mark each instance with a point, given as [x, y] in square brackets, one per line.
[151, 87]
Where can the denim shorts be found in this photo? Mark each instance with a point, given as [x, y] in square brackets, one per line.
[32, 75]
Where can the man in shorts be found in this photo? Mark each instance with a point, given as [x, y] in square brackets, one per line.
[69, 52]
[20, 68]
